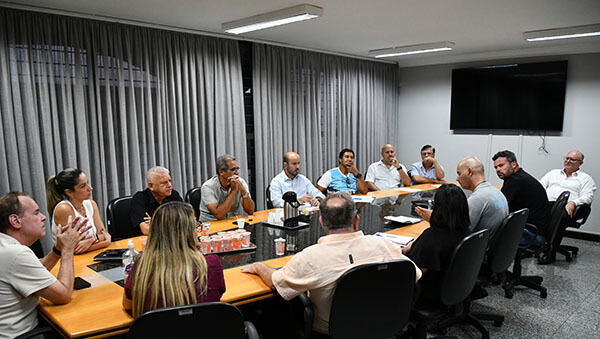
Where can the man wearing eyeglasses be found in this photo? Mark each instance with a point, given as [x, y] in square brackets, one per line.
[572, 179]
[581, 187]
[428, 170]
[226, 194]
[345, 177]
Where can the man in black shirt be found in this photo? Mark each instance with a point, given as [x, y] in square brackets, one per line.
[144, 203]
[523, 191]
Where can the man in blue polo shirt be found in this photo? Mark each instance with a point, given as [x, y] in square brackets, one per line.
[345, 177]
[427, 171]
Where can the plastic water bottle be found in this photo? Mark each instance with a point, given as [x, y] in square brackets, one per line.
[429, 204]
[128, 258]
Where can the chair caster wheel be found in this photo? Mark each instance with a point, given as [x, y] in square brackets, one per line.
[544, 294]
[497, 323]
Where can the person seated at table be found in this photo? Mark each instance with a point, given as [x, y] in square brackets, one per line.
[24, 277]
[388, 172]
[69, 195]
[317, 268]
[290, 179]
[431, 251]
[144, 203]
[172, 265]
[345, 177]
[428, 170]
[226, 194]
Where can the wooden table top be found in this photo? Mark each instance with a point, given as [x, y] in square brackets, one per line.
[97, 312]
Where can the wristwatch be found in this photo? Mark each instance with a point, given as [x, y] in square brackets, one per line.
[358, 176]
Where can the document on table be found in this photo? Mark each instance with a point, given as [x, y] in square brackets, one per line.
[363, 198]
[407, 189]
[401, 240]
[402, 219]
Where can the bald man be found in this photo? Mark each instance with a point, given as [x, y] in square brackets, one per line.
[290, 179]
[388, 172]
[487, 205]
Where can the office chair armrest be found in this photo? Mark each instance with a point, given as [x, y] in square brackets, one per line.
[251, 332]
[308, 313]
[580, 215]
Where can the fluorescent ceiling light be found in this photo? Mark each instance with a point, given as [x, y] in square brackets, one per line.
[412, 49]
[563, 33]
[272, 19]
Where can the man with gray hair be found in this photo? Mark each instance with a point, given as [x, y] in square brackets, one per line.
[317, 268]
[225, 194]
[144, 203]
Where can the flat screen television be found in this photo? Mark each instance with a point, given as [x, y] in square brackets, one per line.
[509, 97]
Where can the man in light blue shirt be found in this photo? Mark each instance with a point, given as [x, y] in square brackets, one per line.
[427, 171]
[290, 180]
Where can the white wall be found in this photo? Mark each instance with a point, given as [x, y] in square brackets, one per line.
[425, 119]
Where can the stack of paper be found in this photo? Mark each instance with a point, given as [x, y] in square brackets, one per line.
[402, 219]
[408, 189]
[400, 240]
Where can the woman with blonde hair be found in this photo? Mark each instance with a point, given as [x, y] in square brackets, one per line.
[172, 271]
[70, 195]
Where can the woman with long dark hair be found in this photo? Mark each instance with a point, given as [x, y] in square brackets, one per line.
[432, 250]
[69, 194]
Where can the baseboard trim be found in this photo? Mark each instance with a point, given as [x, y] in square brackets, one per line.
[583, 235]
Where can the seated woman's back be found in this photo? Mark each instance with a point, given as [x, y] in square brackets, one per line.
[172, 271]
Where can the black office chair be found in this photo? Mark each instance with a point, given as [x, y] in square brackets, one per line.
[118, 220]
[268, 196]
[556, 226]
[206, 320]
[194, 196]
[358, 311]
[580, 215]
[502, 252]
[301, 314]
[45, 331]
[458, 280]
[515, 278]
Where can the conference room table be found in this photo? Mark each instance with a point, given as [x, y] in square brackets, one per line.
[97, 311]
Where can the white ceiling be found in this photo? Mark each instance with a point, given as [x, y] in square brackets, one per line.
[481, 29]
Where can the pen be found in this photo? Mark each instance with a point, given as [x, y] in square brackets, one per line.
[350, 257]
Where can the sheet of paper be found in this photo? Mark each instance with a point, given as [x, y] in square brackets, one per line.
[363, 198]
[402, 219]
[401, 240]
[408, 189]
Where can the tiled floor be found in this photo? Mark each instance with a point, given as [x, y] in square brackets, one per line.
[571, 310]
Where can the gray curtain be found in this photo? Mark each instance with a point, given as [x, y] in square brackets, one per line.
[316, 104]
[113, 100]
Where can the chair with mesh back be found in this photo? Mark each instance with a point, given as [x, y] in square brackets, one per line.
[194, 196]
[205, 320]
[118, 219]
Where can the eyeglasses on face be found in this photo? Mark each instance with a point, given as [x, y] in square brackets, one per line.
[569, 159]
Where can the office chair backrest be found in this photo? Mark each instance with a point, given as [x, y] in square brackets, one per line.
[506, 242]
[372, 300]
[556, 216]
[194, 196]
[206, 320]
[268, 196]
[463, 268]
[117, 218]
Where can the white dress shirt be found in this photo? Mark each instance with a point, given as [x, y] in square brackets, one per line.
[580, 184]
[383, 177]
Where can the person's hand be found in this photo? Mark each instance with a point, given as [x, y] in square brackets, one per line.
[234, 183]
[570, 207]
[251, 268]
[316, 202]
[352, 169]
[305, 198]
[423, 213]
[395, 163]
[83, 245]
[67, 237]
[147, 218]
[428, 161]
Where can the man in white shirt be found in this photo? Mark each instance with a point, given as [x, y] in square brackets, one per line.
[572, 179]
[290, 179]
[23, 277]
[388, 172]
[581, 187]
